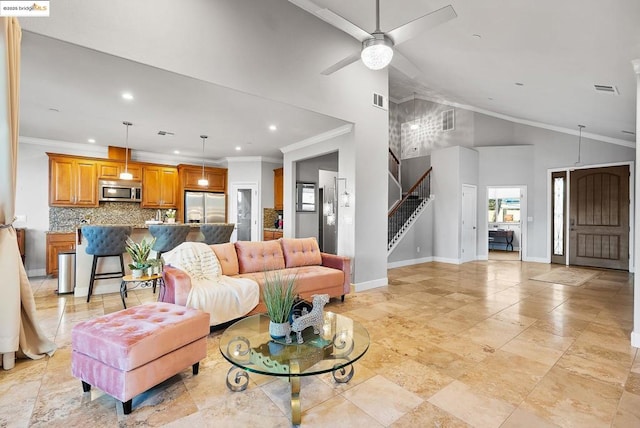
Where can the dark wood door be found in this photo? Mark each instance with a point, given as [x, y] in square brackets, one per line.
[599, 218]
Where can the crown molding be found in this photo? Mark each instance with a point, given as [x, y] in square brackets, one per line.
[603, 138]
[253, 159]
[333, 133]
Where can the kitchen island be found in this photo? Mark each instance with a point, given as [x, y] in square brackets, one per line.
[111, 264]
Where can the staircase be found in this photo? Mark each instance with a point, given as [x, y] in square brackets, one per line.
[405, 212]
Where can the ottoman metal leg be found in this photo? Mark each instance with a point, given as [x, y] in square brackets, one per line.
[126, 406]
[86, 387]
[196, 368]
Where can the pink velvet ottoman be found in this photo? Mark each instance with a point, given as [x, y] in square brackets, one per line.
[130, 351]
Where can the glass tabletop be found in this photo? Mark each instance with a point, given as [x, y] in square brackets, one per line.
[248, 345]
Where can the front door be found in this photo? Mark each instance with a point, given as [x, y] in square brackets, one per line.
[599, 217]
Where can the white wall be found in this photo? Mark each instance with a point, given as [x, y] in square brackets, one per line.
[266, 183]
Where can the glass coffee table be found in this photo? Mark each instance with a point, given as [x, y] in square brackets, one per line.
[248, 346]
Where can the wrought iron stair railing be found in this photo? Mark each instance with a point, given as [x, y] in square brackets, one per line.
[405, 210]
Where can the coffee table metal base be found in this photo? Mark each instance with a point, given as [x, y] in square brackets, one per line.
[238, 380]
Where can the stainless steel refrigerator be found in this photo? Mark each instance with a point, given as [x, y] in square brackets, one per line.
[204, 207]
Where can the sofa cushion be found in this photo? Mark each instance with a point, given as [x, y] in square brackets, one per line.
[228, 258]
[259, 256]
[301, 252]
[309, 279]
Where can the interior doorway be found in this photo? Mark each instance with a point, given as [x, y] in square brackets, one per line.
[506, 211]
[469, 222]
[243, 211]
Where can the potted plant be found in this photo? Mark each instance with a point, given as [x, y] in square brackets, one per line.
[139, 252]
[278, 295]
[171, 216]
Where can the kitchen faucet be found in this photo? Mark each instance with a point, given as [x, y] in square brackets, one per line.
[159, 215]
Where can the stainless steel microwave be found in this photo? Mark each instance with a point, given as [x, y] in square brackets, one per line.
[121, 190]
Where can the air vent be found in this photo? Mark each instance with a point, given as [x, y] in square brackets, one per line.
[448, 122]
[170, 134]
[607, 89]
[379, 101]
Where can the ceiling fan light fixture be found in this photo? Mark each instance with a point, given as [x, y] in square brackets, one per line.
[377, 52]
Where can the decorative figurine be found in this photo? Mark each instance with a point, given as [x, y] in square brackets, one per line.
[313, 318]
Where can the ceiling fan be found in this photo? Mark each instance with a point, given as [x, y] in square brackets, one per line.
[377, 48]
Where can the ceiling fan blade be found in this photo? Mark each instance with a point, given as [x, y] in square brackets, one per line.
[334, 19]
[419, 25]
[402, 63]
[343, 63]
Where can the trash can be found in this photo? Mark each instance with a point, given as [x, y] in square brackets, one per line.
[66, 272]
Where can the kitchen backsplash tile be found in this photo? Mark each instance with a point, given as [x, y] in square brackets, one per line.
[67, 219]
[269, 218]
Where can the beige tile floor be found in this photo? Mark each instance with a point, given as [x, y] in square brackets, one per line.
[478, 344]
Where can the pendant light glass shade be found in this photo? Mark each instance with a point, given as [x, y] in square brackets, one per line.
[126, 175]
[203, 181]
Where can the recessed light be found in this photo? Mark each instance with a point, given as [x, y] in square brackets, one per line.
[91, 140]
[273, 128]
[519, 84]
[127, 95]
[54, 109]
[238, 148]
[176, 152]
[476, 36]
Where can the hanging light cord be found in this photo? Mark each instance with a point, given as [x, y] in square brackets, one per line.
[579, 141]
[126, 153]
[204, 137]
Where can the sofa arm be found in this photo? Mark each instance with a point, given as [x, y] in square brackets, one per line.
[177, 285]
[341, 263]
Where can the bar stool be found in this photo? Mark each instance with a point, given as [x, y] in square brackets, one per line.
[105, 241]
[217, 233]
[168, 237]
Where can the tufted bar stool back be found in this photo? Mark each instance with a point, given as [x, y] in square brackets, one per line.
[217, 233]
[105, 241]
[168, 236]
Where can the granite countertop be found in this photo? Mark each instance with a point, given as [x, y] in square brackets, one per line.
[272, 229]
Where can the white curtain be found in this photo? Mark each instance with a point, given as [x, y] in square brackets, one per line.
[19, 331]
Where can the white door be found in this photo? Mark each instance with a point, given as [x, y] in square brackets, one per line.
[243, 211]
[469, 222]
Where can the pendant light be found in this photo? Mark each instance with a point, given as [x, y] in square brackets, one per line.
[126, 175]
[414, 125]
[203, 181]
[580, 127]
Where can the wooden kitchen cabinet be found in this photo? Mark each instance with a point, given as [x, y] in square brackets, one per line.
[189, 176]
[72, 182]
[159, 187]
[271, 235]
[58, 243]
[109, 170]
[278, 189]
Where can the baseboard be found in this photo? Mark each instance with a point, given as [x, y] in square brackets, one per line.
[635, 339]
[445, 260]
[368, 285]
[482, 257]
[536, 260]
[411, 262]
[32, 273]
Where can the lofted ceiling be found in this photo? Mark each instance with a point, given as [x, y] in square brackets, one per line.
[535, 62]
[557, 51]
